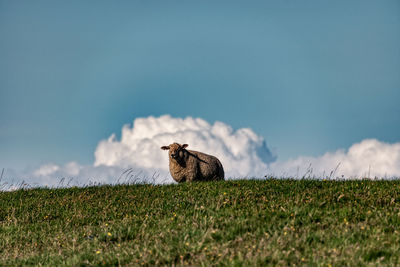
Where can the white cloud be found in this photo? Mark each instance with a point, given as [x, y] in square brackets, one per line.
[73, 174]
[369, 158]
[242, 152]
[46, 169]
[137, 156]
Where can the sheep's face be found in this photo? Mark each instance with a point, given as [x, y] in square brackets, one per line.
[176, 151]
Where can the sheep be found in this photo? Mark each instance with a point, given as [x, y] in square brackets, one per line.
[188, 165]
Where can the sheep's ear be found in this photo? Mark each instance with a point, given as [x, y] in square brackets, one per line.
[165, 147]
[185, 145]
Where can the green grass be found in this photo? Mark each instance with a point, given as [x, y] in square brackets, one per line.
[270, 222]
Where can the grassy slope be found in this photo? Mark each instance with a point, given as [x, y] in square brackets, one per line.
[246, 222]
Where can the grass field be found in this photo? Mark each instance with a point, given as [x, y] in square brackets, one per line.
[247, 222]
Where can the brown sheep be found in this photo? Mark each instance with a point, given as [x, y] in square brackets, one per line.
[188, 165]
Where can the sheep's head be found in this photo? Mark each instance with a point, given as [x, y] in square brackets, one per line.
[176, 151]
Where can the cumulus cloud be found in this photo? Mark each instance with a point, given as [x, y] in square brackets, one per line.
[137, 157]
[368, 159]
[242, 152]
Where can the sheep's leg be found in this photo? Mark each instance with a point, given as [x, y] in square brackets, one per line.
[182, 180]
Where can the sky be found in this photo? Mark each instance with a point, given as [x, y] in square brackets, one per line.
[308, 77]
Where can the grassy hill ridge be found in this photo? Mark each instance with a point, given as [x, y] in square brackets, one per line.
[246, 222]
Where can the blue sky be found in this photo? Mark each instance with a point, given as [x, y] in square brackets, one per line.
[308, 76]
